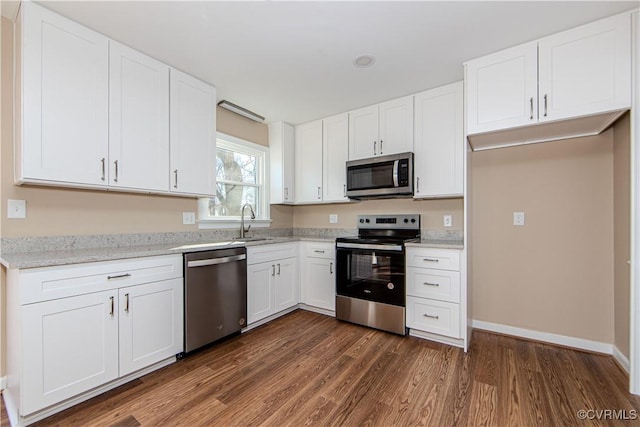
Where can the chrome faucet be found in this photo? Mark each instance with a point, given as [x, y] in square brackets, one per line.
[253, 216]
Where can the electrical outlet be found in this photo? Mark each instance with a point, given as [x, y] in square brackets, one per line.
[333, 218]
[188, 218]
[448, 220]
[518, 218]
[16, 209]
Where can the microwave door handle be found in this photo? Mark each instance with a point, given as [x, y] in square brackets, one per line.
[395, 173]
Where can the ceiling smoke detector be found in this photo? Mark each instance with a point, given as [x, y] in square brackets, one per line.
[364, 61]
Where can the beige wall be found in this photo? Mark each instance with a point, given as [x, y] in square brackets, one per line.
[317, 216]
[555, 273]
[622, 231]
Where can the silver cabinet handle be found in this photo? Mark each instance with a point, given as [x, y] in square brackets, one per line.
[175, 175]
[119, 276]
[286, 193]
[545, 105]
[103, 168]
[126, 303]
[330, 268]
[319, 189]
[431, 316]
[273, 269]
[374, 148]
[318, 251]
[116, 177]
[112, 306]
[531, 108]
[431, 284]
[381, 141]
[430, 260]
[417, 184]
[344, 189]
[278, 269]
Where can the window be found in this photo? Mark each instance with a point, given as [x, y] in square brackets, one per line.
[241, 178]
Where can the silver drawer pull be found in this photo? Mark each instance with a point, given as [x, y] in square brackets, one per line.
[318, 251]
[111, 313]
[431, 317]
[431, 284]
[430, 260]
[119, 276]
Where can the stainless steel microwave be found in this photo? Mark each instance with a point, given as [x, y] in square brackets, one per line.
[380, 177]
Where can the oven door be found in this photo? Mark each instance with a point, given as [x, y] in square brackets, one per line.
[371, 272]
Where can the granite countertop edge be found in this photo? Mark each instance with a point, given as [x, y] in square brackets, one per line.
[52, 258]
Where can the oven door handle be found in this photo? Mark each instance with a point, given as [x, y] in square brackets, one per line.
[383, 247]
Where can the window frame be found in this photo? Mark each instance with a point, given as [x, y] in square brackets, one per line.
[208, 221]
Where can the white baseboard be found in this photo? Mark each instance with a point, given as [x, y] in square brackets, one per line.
[3, 383]
[622, 360]
[579, 343]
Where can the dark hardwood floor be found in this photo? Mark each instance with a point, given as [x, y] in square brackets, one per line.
[305, 368]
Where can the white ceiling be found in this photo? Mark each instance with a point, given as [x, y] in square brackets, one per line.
[292, 61]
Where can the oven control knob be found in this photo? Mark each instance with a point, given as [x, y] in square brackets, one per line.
[367, 220]
[390, 285]
[413, 220]
[406, 220]
[361, 220]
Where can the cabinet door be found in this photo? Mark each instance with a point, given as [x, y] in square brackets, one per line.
[260, 298]
[319, 284]
[65, 89]
[286, 284]
[192, 135]
[335, 153]
[586, 70]
[308, 167]
[281, 159]
[363, 133]
[439, 144]
[138, 120]
[396, 126]
[150, 323]
[502, 89]
[70, 345]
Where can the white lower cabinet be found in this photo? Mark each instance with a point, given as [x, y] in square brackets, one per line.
[76, 328]
[272, 280]
[318, 282]
[436, 297]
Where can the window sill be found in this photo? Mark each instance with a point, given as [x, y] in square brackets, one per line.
[212, 224]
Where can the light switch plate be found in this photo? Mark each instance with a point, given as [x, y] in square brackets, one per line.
[333, 218]
[448, 220]
[16, 209]
[188, 218]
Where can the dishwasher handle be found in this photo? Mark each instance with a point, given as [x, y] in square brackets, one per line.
[214, 261]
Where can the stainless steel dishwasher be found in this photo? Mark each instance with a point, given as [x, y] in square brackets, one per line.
[215, 295]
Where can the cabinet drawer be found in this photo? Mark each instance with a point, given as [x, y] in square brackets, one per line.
[271, 252]
[442, 285]
[441, 259]
[320, 250]
[43, 284]
[437, 317]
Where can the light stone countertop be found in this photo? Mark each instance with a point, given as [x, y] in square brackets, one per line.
[438, 244]
[35, 259]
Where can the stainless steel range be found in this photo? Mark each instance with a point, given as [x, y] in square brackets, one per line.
[370, 279]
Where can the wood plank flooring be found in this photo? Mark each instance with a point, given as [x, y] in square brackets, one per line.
[305, 369]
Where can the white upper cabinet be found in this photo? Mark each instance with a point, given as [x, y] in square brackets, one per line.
[581, 72]
[308, 170]
[335, 153]
[439, 142]
[585, 70]
[65, 90]
[281, 163]
[502, 89]
[192, 135]
[381, 129]
[138, 120]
